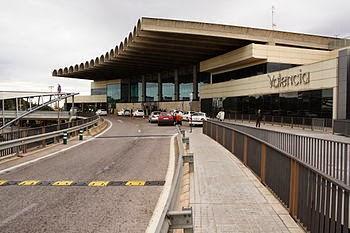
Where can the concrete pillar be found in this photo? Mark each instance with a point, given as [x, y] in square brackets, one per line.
[129, 90]
[16, 107]
[160, 88]
[3, 112]
[176, 81]
[343, 98]
[143, 88]
[72, 102]
[335, 103]
[195, 83]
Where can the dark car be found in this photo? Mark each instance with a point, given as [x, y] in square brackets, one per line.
[165, 119]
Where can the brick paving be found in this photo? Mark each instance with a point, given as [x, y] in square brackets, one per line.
[227, 197]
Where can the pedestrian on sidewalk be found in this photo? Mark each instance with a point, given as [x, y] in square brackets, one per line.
[221, 115]
[258, 118]
[59, 89]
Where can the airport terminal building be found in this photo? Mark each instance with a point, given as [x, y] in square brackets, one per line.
[172, 64]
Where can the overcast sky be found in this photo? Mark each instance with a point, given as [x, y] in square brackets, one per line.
[37, 36]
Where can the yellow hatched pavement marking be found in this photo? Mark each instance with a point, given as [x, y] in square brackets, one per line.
[2, 182]
[29, 182]
[98, 183]
[63, 183]
[135, 183]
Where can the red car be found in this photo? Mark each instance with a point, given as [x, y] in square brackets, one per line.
[165, 119]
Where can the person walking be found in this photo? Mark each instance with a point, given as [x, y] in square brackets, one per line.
[59, 88]
[258, 118]
[221, 115]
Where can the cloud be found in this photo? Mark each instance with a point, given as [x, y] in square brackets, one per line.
[38, 36]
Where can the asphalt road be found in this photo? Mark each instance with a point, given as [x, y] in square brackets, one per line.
[132, 149]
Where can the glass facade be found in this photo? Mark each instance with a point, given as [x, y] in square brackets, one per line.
[203, 78]
[316, 103]
[250, 71]
[151, 89]
[168, 86]
[113, 95]
[136, 91]
[99, 91]
[185, 83]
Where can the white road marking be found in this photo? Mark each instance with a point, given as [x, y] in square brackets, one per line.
[17, 214]
[120, 121]
[55, 153]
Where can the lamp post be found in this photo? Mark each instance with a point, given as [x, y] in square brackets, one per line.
[191, 99]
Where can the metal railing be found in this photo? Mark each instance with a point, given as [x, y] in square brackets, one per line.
[169, 219]
[12, 143]
[319, 124]
[319, 202]
[328, 156]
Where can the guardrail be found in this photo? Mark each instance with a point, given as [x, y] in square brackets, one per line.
[319, 202]
[341, 127]
[319, 124]
[170, 218]
[328, 156]
[20, 141]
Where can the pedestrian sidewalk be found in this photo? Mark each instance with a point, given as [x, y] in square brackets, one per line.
[227, 197]
[298, 131]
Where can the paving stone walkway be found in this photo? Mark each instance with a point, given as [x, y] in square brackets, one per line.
[227, 197]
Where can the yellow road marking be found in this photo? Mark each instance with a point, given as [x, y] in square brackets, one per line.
[98, 183]
[29, 182]
[2, 182]
[63, 183]
[135, 183]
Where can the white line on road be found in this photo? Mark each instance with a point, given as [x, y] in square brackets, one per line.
[17, 214]
[120, 121]
[57, 152]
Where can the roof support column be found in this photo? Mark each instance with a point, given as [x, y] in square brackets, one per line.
[195, 83]
[129, 90]
[143, 88]
[3, 112]
[176, 81]
[160, 88]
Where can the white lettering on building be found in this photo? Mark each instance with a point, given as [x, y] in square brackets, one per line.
[277, 81]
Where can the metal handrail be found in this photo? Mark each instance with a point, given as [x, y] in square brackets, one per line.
[40, 137]
[328, 156]
[163, 223]
[326, 176]
[319, 202]
[59, 97]
[271, 130]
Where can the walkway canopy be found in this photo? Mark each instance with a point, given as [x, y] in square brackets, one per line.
[161, 44]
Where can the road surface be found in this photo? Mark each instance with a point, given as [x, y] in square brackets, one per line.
[125, 152]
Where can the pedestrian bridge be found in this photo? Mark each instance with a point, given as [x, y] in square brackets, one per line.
[38, 115]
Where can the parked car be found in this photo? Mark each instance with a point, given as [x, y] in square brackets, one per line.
[197, 118]
[101, 112]
[138, 113]
[121, 112]
[127, 112]
[173, 112]
[165, 119]
[186, 115]
[153, 117]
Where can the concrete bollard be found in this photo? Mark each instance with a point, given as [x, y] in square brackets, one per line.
[183, 132]
[81, 131]
[65, 138]
[186, 141]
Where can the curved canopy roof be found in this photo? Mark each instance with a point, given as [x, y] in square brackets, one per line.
[161, 44]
